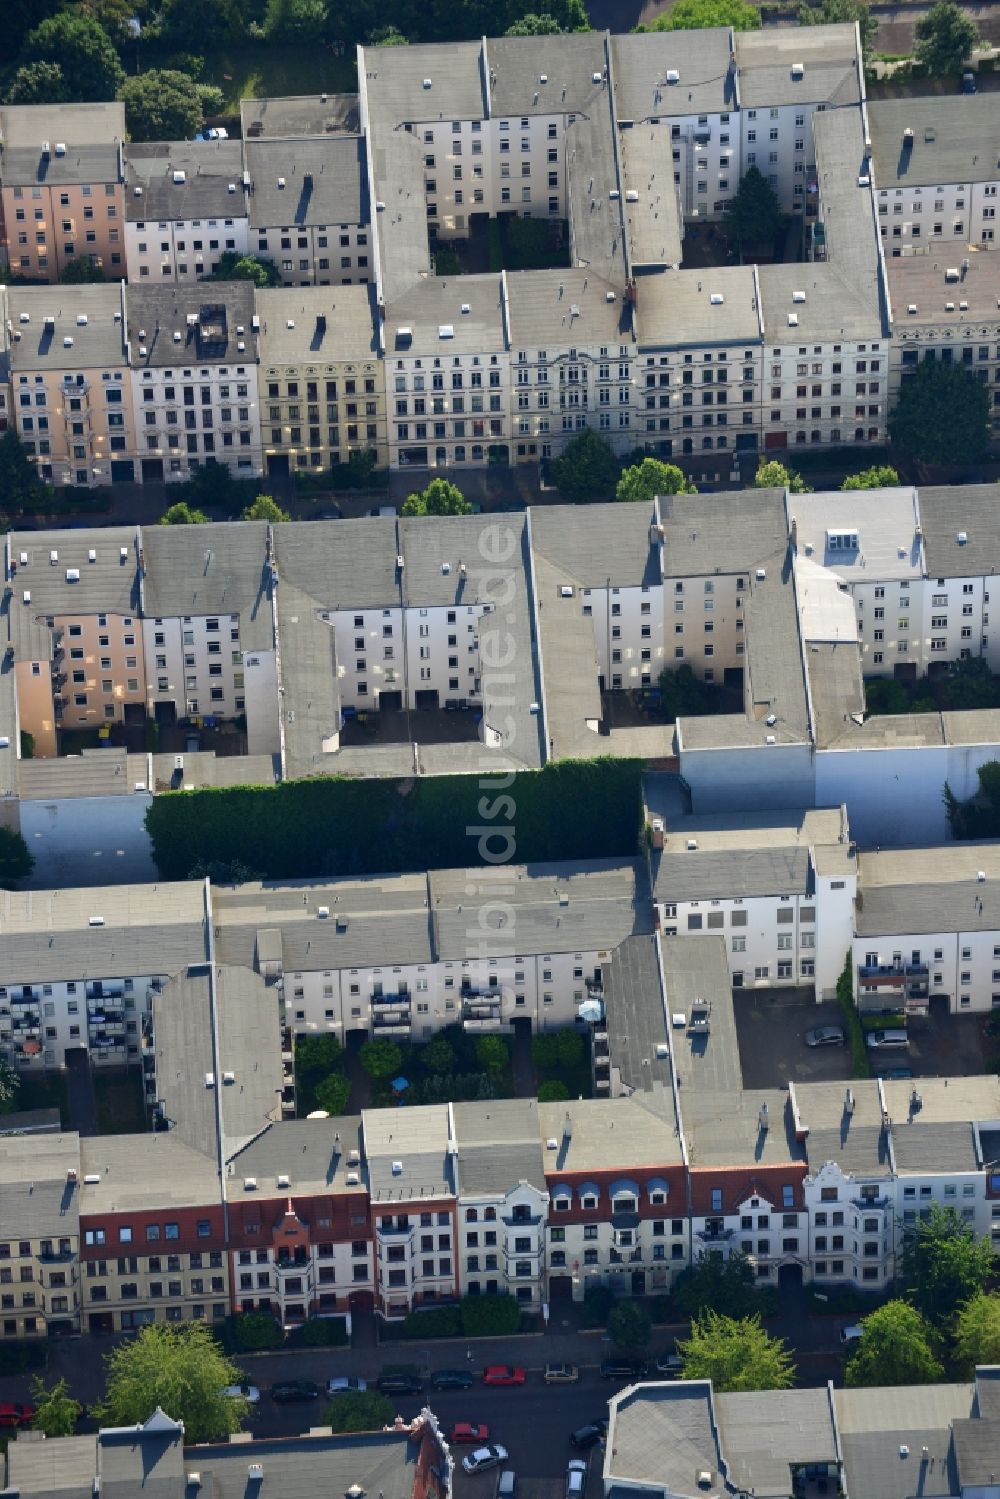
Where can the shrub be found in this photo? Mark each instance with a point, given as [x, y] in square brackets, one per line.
[320, 1332]
[256, 1330]
[436, 1322]
[490, 1316]
[597, 1304]
[552, 1092]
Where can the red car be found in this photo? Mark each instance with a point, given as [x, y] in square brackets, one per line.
[14, 1414]
[469, 1431]
[503, 1374]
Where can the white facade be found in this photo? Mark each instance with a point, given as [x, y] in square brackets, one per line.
[502, 1246]
[851, 1223]
[917, 220]
[316, 254]
[492, 166]
[901, 968]
[187, 417]
[557, 392]
[184, 249]
[104, 1016]
[769, 939]
[447, 410]
[197, 664]
[778, 141]
[826, 393]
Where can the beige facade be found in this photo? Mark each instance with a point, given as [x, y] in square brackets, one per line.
[40, 1234]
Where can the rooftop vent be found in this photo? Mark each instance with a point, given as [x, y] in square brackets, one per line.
[609, 296]
[907, 139]
[566, 591]
[595, 77]
[771, 720]
[793, 320]
[631, 196]
[27, 596]
[798, 69]
[427, 82]
[249, 1184]
[81, 320]
[323, 912]
[446, 330]
[962, 537]
[255, 1472]
[352, 1179]
[673, 76]
[614, 195]
[232, 187]
[25, 317]
[209, 1079]
[770, 739]
[92, 1179]
[798, 296]
[72, 575]
[552, 1143]
[177, 335]
[949, 307]
[981, 876]
[180, 176]
[60, 148]
[290, 322]
[281, 181]
[191, 320]
[952, 273]
[761, 574]
[692, 844]
[53, 557]
[91, 555]
[543, 77]
[911, 308]
[283, 1180]
[446, 568]
[397, 1168]
[229, 1078]
[137, 192]
[95, 920]
[68, 341]
[716, 298]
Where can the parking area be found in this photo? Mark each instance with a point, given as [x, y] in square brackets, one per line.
[771, 1029]
[421, 726]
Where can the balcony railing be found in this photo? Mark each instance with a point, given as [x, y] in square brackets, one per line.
[715, 1236]
[891, 973]
[57, 1257]
[874, 1204]
[400, 1001]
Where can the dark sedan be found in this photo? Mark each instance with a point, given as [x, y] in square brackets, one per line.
[294, 1391]
[451, 1379]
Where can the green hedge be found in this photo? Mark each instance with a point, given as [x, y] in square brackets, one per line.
[339, 826]
[894, 1022]
[319, 1332]
[860, 1064]
[436, 1322]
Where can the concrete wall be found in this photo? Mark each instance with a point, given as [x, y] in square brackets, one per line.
[764, 777]
[893, 796]
[97, 840]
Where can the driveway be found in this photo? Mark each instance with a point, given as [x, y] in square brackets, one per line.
[771, 1030]
[80, 1100]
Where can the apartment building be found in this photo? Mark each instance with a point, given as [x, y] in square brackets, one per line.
[934, 182]
[72, 402]
[40, 1289]
[152, 1234]
[193, 356]
[780, 887]
[209, 627]
[75, 631]
[617, 1205]
[81, 968]
[61, 182]
[503, 1201]
[185, 207]
[501, 956]
[448, 357]
[412, 1190]
[926, 927]
[322, 378]
[309, 210]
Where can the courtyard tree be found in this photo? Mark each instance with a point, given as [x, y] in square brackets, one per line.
[629, 1326]
[380, 1058]
[56, 1411]
[264, 508]
[946, 36]
[333, 1092]
[753, 215]
[586, 469]
[161, 105]
[644, 481]
[774, 475]
[697, 15]
[728, 1286]
[82, 270]
[942, 414]
[895, 1348]
[83, 52]
[441, 497]
[977, 1332]
[182, 514]
[359, 1410]
[532, 24]
[9, 1084]
[16, 859]
[235, 267]
[735, 1354]
[881, 476]
[179, 1368]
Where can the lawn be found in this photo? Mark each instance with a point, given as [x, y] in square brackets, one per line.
[265, 71]
[120, 1105]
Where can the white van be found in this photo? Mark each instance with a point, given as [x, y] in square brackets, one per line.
[850, 1335]
[881, 1039]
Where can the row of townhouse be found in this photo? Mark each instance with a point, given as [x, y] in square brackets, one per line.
[295, 642]
[228, 1206]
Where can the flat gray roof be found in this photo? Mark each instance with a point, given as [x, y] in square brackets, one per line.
[39, 1192]
[322, 182]
[734, 532]
[847, 212]
[416, 1141]
[662, 1437]
[424, 83]
[546, 75]
[89, 316]
[875, 1423]
[675, 308]
[30, 124]
[111, 771]
[211, 570]
[831, 66]
[499, 1145]
[595, 544]
[605, 1133]
[948, 511]
[919, 281]
[836, 689]
[634, 1016]
[593, 180]
[398, 183]
[702, 59]
[887, 524]
[654, 222]
[551, 307]
[220, 309]
[152, 1171]
[447, 315]
[331, 324]
[918, 890]
[54, 568]
[955, 140]
[301, 114]
[848, 1130]
[210, 168]
[716, 874]
[25, 166]
[312, 1153]
[768, 1435]
[836, 305]
[303, 1467]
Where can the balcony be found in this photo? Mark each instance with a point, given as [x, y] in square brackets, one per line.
[397, 1000]
[26, 997]
[105, 989]
[58, 1257]
[715, 1235]
[391, 1025]
[871, 1204]
[387, 1236]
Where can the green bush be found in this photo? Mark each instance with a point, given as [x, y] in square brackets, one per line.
[359, 1410]
[252, 1331]
[894, 1021]
[597, 1304]
[490, 1316]
[320, 1332]
[552, 1092]
[852, 1020]
[336, 825]
[436, 1322]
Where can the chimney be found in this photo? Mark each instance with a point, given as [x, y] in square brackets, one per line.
[567, 1128]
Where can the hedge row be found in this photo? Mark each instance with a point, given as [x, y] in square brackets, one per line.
[339, 826]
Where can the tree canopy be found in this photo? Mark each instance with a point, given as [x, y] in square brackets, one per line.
[84, 53]
[234, 267]
[161, 105]
[945, 1263]
[834, 12]
[628, 1325]
[297, 21]
[441, 497]
[881, 476]
[645, 480]
[942, 415]
[977, 1332]
[20, 487]
[359, 1410]
[534, 25]
[728, 1286]
[753, 215]
[332, 1093]
[16, 860]
[587, 468]
[10, 1082]
[182, 514]
[735, 1354]
[38, 83]
[81, 270]
[895, 1347]
[696, 15]
[181, 1369]
[56, 1411]
[381, 1057]
[946, 37]
[265, 508]
[774, 475]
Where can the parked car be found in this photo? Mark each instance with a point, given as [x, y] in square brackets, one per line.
[451, 1379]
[346, 1384]
[850, 1335]
[670, 1365]
[576, 1478]
[469, 1431]
[12, 1413]
[507, 1484]
[294, 1391]
[248, 1392]
[890, 1038]
[483, 1458]
[969, 85]
[503, 1374]
[400, 1382]
[561, 1374]
[825, 1035]
[895, 1073]
[619, 1367]
[588, 1435]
